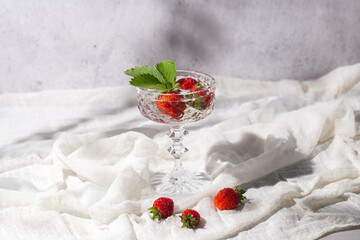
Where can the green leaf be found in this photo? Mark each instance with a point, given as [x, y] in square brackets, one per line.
[240, 192]
[140, 70]
[156, 213]
[197, 104]
[188, 221]
[199, 85]
[168, 70]
[147, 81]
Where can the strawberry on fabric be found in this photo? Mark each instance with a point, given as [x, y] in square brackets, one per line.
[186, 83]
[202, 98]
[229, 198]
[190, 218]
[171, 104]
[162, 208]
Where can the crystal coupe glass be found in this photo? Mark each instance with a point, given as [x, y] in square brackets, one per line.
[185, 107]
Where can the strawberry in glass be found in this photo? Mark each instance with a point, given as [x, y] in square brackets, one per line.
[174, 97]
[187, 83]
[172, 104]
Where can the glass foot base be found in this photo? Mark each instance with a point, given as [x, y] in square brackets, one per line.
[179, 182]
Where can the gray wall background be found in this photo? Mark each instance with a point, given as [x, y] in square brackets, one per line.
[63, 44]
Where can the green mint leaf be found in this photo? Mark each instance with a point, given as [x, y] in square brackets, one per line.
[147, 81]
[139, 70]
[168, 71]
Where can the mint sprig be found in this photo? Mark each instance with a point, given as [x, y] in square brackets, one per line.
[162, 77]
[168, 70]
[147, 81]
[139, 70]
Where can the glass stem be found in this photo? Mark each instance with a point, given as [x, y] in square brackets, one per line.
[177, 148]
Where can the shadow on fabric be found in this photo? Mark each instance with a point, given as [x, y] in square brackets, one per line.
[257, 162]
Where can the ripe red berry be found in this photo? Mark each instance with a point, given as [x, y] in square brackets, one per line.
[190, 218]
[171, 104]
[202, 98]
[187, 83]
[229, 198]
[162, 208]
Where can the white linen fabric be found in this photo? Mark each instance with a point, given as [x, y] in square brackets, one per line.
[76, 164]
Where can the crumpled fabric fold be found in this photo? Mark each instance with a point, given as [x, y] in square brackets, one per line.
[79, 168]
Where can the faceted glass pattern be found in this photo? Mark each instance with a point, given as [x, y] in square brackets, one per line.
[189, 106]
[176, 109]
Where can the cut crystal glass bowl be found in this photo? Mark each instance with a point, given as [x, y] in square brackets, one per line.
[177, 108]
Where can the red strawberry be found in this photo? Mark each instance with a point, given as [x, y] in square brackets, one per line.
[190, 218]
[229, 198]
[187, 83]
[162, 208]
[203, 98]
[171, 104]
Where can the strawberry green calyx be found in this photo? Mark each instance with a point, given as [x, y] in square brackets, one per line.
[202, 98]
[156, 213]
[197, 103]
[240, 192]
[188, 221]
[162, 77]
[199, 85]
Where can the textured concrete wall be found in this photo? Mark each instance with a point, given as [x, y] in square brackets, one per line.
[89, 43]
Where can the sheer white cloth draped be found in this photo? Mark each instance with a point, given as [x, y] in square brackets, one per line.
[75, 164]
